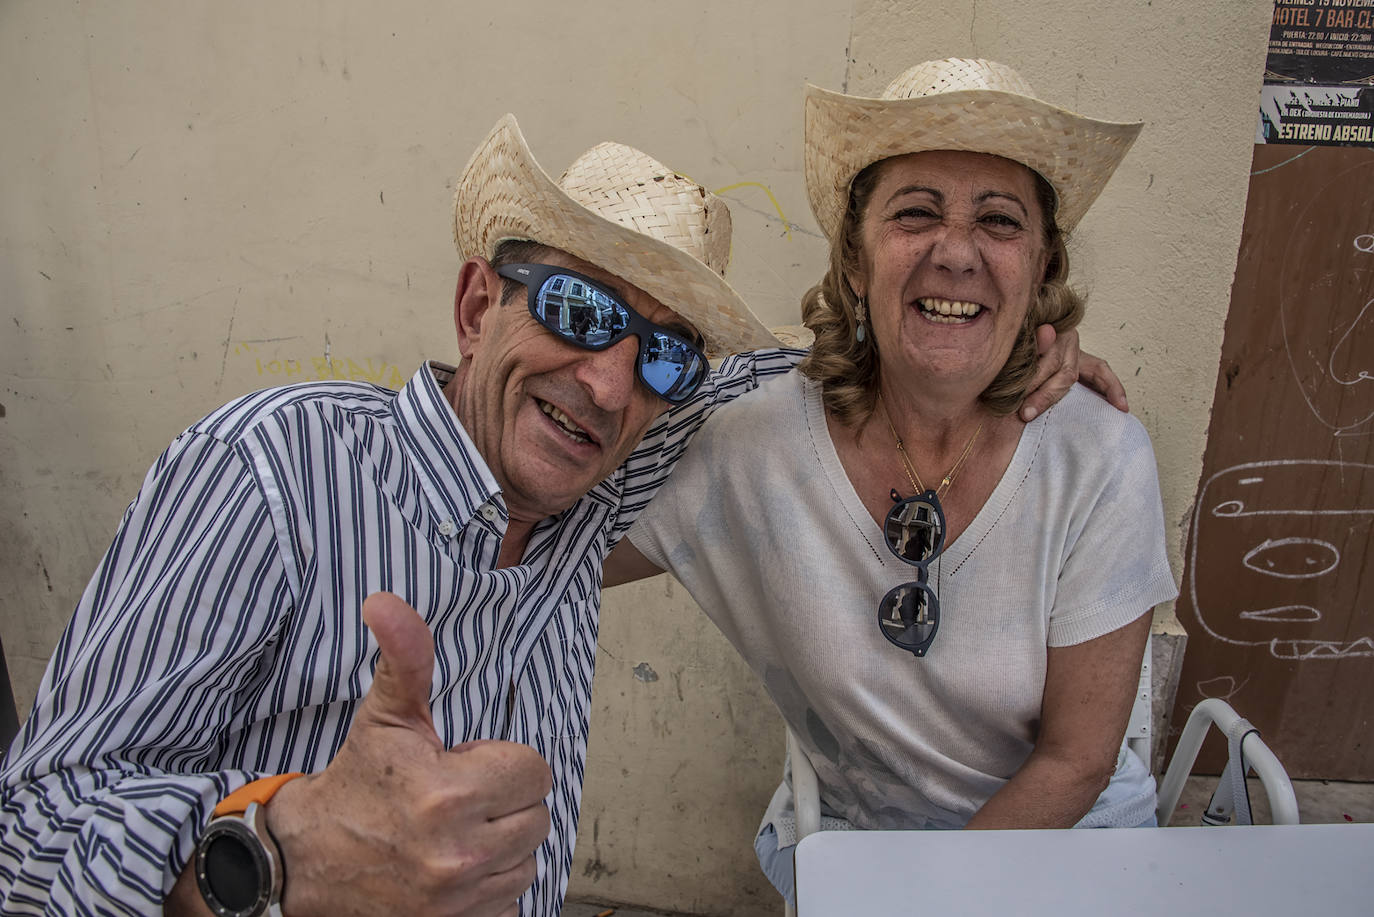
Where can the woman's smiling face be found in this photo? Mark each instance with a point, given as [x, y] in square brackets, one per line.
[953, 252]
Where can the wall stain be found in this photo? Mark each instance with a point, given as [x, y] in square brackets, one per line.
[596, 869]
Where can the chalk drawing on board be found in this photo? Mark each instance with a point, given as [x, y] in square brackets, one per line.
[1348, 341]
[1325, 294]
[1271, 543]
[1284, 614]
[1223, 687]
[1276, 557]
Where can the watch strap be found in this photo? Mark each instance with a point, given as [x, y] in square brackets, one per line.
[259, 791]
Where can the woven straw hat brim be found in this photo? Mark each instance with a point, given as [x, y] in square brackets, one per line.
[504, 194]
[844, 134]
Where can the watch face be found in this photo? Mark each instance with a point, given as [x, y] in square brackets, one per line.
[233, 870]
[233, 874]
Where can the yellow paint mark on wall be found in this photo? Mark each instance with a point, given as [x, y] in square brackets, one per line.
[777, 208]
[290, 369]
[786, 225]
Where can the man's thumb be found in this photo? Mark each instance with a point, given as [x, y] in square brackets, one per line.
[400, 689]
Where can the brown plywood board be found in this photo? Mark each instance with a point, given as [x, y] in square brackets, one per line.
[1276, 599]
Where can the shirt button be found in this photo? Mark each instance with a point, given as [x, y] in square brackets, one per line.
[488, 512]
[447, 528]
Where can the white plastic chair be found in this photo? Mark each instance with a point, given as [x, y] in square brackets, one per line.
[806, 789]
[806, 797]
[1140, 727]
[1247, 751]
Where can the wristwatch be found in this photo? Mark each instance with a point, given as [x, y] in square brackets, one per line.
[238, 867]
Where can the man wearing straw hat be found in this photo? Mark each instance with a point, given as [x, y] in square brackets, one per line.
[394, 593]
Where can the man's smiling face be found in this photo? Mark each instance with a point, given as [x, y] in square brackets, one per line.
[552, 420]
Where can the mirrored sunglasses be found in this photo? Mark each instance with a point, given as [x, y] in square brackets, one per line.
[909, 615]
[586, 314]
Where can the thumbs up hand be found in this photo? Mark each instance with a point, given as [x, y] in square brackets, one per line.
[399, 697]
[399, 824]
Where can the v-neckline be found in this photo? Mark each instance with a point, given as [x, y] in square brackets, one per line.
[957, 551]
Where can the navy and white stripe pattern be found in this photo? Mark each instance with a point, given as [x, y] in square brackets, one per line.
[221, 638]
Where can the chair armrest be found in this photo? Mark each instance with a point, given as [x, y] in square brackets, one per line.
[1283, 804]
[806, 791]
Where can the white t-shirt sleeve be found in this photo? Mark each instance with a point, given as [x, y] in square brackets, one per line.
[1117, 566]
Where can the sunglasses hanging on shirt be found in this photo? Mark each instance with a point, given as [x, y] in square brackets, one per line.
[588, 315]
[909, 615]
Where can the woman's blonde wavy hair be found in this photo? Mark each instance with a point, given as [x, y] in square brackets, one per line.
[848, 368]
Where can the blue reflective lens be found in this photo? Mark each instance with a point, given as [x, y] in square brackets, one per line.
[670, 366]
[582, 312]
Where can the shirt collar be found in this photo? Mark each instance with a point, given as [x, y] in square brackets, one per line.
[451, 471]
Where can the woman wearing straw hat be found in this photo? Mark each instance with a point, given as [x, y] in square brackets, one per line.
[947, 603]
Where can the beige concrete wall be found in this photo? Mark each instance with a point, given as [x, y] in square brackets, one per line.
[201, 199]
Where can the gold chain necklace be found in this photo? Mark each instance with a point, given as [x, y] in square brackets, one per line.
[911, 473]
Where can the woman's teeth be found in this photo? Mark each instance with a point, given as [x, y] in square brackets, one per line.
[948, 311]
[565, 422]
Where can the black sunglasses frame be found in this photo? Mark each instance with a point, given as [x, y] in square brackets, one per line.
[896, 616]
[535, 276]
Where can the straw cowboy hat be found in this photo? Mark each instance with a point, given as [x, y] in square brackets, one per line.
[619, 209]
[954, 104]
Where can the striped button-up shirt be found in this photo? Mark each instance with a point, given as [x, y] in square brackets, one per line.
[221, 638]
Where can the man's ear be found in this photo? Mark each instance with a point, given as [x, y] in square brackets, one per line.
[478, 289]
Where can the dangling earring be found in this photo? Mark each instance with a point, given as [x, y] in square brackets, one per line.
[860, 315]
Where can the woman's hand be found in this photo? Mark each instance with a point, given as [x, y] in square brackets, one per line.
[1061, 364]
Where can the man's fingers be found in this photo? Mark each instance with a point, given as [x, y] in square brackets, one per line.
[513, 777]
[497, 894]
[1098, 376]
[400, 690]
[514, 882]
[515, 837]
[493, 893]
[1055, 371]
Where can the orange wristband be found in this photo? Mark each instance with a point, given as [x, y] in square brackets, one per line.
[258, 791]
